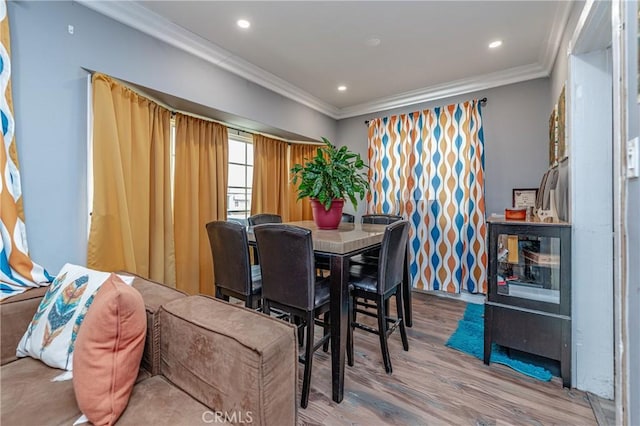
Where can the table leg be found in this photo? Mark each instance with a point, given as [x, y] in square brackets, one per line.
[406, 288]
[488, 322]
[339, 321]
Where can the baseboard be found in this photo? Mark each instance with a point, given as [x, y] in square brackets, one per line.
[463, 296]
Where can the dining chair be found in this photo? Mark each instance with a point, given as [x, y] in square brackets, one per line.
[348, 218]
[370, 257]
[375, 285]
[289, 284]
[380, 218]
[234, 276]
[260, 219]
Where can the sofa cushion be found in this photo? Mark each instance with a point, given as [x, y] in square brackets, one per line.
[51, 334]
[155, 401]
[154, 295]
[230, 358]
[16, 313]
[29, 397]
[108, 351]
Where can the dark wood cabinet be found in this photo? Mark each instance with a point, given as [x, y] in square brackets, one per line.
[528, 305]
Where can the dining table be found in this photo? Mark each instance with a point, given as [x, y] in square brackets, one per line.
[338, 246]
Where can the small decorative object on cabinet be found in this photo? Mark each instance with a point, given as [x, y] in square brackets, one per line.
[528, 306]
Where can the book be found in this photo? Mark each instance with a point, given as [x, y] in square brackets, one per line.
[512, 247]
[548, 259]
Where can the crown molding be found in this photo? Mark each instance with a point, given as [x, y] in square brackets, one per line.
[142, 19]
[447, 90]
[550, 51]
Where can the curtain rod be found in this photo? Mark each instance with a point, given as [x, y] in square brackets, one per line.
[175, 111]
[482, 101]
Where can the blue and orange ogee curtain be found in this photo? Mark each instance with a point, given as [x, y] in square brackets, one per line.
[428, 166]
[17, 271]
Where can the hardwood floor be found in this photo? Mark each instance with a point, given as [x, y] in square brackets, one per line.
[433, 384]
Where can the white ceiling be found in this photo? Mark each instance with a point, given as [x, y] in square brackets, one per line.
[305, 49]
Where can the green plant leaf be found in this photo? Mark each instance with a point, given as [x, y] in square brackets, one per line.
[333, 173]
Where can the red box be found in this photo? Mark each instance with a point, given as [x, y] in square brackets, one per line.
[515, 214]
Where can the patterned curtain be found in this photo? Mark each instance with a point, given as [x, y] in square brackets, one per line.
[17, 270]
[428, 166]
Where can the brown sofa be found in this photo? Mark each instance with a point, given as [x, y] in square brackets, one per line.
[205, 361]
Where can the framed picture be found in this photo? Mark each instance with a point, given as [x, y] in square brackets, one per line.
[524, 197]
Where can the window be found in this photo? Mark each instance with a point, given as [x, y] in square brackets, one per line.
[240, 178]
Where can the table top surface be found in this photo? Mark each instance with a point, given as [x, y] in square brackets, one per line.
[347, 238]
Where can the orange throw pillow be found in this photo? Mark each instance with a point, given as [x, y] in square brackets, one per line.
[108, 351]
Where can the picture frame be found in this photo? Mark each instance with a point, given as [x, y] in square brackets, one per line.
[523, 198]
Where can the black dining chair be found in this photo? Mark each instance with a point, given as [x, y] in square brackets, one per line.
[234, 274]
[375, 285]
[370, 257]
[380, 218]
[348, 218]
[261, 218]
[289, 284]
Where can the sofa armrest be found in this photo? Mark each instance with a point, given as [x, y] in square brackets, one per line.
[232, 359]
[16, 313]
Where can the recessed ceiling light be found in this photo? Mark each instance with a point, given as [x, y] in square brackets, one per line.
[243, 23]
[372, 42]
[342, 88]
[495, 44]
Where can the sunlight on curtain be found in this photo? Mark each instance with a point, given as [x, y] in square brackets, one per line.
[299, 209]
[202, 151]
[429, 167]
[270, 177]
[131, 222]
[17, 271]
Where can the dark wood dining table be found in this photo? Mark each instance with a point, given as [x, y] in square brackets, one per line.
[339, 245]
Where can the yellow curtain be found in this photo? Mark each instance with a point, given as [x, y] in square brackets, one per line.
[299, 209]
[270, 177]
[200, 196]
[131, 224]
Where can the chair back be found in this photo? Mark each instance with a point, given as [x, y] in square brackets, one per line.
[392, 254]
[380, 219]
[260, 218]
[230, 252]
[287, 264]
[348, 218]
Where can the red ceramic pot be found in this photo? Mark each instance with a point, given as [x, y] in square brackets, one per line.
[327, 219]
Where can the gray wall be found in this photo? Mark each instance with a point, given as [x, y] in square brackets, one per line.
[50, 101]
[515, 123]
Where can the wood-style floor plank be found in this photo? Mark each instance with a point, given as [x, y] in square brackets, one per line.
[434, 384]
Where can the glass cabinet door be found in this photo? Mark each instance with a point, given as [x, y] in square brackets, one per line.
[529, 267]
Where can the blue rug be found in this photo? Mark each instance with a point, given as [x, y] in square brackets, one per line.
[469, 338]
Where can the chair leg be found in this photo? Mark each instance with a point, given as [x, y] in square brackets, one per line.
[266, 309]
[299, 324]
[351, 315]
[308, 361]
[400, 307]
[382, 332]
[325, 345]
[219, 295]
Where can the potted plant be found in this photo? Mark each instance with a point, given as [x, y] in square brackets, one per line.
[327, 179]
